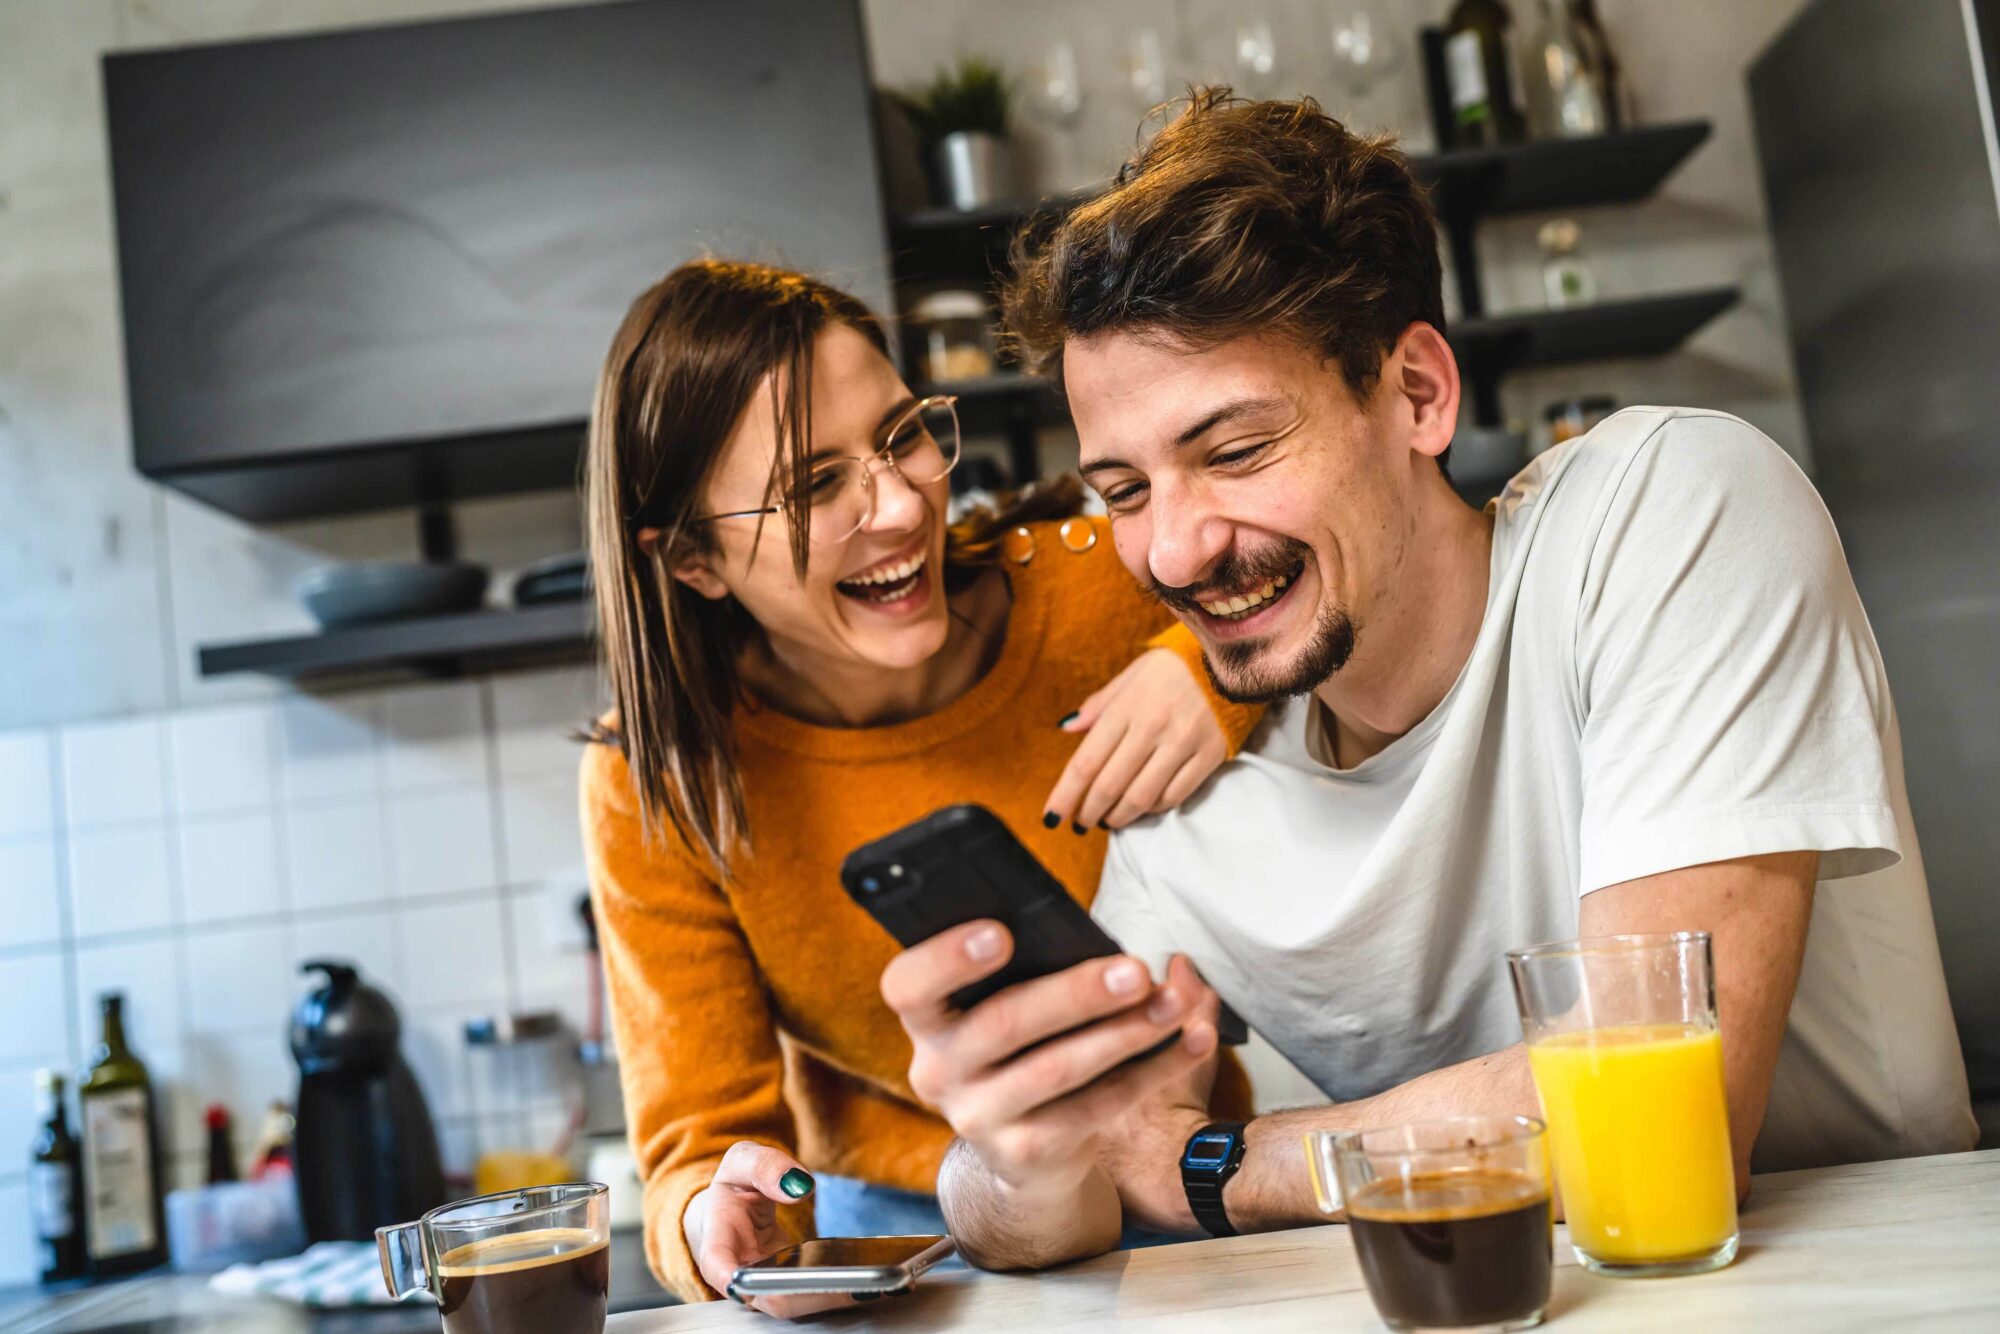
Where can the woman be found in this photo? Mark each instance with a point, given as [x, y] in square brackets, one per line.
[803, 658]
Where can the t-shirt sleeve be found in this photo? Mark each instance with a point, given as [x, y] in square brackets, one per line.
[1733, 701]
[1124, 908]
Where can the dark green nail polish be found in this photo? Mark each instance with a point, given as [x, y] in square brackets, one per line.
[796, 1184]
[1069, 719]
[1103, 826]
[1079, 826]
[1050, 819]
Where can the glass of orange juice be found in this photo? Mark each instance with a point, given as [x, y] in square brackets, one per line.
[1627, 1058]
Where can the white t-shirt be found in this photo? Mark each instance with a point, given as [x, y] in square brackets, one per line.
[1673, 668]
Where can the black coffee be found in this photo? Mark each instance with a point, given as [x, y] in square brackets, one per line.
[551, 1281]
[1457, 1248]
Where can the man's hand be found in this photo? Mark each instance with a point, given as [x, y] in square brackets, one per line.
[1031, 1077]
[734, 1222]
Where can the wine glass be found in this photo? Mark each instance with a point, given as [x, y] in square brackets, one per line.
[1257, 59]
[1364, 49]
[1146, 69]
[1055, 91]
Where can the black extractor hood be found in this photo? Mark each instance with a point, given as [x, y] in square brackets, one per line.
[381, 266]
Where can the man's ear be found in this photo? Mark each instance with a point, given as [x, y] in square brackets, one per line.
[690, 566]
[1428, 381]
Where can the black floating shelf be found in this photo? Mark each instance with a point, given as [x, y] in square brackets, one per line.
[1512, 178]
[434, 645]
[1646, 326]
[1559, 173]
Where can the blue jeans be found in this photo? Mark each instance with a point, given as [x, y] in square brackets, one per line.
[845, 1207]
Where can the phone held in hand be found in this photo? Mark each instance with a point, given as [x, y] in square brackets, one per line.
[962, 864]
[863, 1266]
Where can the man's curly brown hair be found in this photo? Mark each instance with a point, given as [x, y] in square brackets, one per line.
[1238, 218]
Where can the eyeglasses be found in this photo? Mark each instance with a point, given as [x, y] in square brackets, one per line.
[920, 447]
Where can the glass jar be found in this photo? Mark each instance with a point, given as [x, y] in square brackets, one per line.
[952, 334]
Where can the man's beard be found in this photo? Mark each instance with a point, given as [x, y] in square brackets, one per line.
[1236, 678]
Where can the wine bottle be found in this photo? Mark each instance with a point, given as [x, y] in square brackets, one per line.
[1479, 68]
[124, 1215]
[1604, 61]
[55, 1193]
[221, 1149]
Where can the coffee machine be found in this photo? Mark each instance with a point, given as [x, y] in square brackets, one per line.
[365, 1152]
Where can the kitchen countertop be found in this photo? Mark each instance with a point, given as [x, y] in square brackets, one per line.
[1871, 1246]
[165, 1303]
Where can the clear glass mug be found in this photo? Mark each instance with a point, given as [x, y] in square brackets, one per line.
[1450, 1218]
[519, 1262]
[1627, 1057]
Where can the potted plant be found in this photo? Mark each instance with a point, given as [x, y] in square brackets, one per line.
[962, 118]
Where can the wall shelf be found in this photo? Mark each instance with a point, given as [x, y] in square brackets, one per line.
[433, 646]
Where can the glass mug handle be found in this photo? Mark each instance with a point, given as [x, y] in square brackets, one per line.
[1325, 1171]
[402, 1250]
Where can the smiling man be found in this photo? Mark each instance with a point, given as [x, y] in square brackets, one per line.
[1636, 694]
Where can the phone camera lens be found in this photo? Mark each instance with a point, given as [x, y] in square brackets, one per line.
[871, 884]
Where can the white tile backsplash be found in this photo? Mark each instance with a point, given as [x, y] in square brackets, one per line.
[454, 952]
[114, 771]
[224, 759]
[534, 715]
[541, 829]
[241, 979]
[330, 747]
[435, 737]
[33, 1026]
[193, 860]
[119, 880]
[442, 842]
[30, 903]
[338, 854]
[230, 869]
[148, 972]
[19, 1264]
[27, 796]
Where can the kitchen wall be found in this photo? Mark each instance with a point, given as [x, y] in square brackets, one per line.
[190, 841]
[193, 859]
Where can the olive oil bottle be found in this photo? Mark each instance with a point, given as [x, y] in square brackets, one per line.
[123, 1207]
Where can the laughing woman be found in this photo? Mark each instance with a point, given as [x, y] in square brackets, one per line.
[803, 656]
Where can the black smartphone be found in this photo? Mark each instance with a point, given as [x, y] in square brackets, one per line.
[961, 864]
[866, 1266]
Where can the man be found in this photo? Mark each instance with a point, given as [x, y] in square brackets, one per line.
[1639, 694]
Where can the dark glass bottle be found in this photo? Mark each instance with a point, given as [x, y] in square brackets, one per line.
[124, 1213]
[221, 1146]
[1584, 14]
[55, 1186]
[1479, 71]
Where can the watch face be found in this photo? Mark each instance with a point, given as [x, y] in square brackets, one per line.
[1207, 1151]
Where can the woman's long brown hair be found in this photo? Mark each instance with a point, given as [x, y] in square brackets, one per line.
[684, 364]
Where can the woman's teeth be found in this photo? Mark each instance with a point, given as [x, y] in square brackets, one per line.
[1235, 608]
[886, 584]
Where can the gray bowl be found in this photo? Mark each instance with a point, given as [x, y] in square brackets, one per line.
[343, 595]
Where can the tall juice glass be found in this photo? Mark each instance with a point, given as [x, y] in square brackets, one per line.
[1627, 1057]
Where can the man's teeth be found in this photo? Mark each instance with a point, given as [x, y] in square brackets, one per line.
[1246, 602]
[888, 574]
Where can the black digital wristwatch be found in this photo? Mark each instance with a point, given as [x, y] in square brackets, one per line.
[1210, 1159]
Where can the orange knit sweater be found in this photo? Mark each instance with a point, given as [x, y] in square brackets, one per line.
[749, 1009]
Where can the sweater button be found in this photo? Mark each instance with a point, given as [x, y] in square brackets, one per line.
[1070, 530]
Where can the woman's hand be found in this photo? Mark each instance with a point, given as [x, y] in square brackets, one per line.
[734, 1222]
[1150, 740]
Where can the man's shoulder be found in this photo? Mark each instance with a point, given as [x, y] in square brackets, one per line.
[1656, 455]
[1222, 819]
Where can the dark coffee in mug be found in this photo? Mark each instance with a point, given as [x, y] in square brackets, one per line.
[540, 1282]
[1455, 1248]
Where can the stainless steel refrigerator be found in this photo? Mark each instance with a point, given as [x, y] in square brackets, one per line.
[1876, 126]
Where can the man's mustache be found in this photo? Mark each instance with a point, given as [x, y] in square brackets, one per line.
[1235, 573]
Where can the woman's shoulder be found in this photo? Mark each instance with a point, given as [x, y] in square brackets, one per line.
[1076, 562]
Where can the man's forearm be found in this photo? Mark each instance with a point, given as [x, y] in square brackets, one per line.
[998, 1226]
